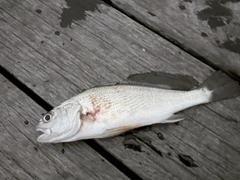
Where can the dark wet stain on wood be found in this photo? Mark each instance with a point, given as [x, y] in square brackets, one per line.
[187, 160]
[226, 1]
[217, 41]
[39, 11]
[130, 142]
[232, 45]
[181, 6]
[26, 122]
[152, 14]
[216, 14]
[190, 1]
[203, 34]
[57, 33]
[76, 11]
[176, 123]
[63, 148]
[160, 136]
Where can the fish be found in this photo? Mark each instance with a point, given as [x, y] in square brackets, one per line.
[140, 100]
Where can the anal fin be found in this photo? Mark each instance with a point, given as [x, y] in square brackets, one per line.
[174, 118]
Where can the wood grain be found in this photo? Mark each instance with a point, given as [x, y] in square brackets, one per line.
[22, 157]
[106, 46]
[207, 29]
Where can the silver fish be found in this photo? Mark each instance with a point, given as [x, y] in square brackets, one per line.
[111, 110]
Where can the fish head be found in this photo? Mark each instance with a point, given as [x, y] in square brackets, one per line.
[60, 123]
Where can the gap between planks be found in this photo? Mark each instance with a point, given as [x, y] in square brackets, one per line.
[92, 143]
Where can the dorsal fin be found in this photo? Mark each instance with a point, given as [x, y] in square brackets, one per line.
[162, 80]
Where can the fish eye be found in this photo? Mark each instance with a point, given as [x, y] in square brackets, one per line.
[47, 117]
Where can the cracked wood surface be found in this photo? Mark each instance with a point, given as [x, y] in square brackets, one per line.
[57, 59]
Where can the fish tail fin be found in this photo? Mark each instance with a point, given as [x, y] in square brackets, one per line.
[220, 86]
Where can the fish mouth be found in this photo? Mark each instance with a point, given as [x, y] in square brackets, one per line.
[43, 133]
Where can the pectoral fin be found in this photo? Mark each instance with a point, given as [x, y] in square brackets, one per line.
[88, 117]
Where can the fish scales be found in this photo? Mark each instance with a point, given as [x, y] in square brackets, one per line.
[141, 101]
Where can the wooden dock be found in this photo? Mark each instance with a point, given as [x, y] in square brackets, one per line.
[51, 50]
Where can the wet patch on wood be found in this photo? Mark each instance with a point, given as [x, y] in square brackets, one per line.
[26, 122]
[160, 136]
[77, 11]
[57, 33]
[39, 11]
[187, 160]
[232, 45]
[130, 142]
[216, 14]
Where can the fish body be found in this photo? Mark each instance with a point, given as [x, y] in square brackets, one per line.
[111, 110]
[119, 108]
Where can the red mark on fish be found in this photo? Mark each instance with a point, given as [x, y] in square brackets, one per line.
[95, 105]
[91, 116]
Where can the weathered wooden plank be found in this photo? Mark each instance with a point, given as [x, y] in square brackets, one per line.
[135, 161]
[23, 158]
[126, 29]
[89, 52]
[189, 63]
[11, 169]
[208, 29]
[6, 174]
[134, 34]
[207, 150]
[203, 157]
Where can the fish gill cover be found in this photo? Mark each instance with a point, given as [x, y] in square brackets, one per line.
[76, 11]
